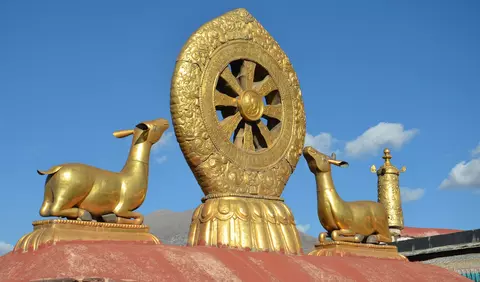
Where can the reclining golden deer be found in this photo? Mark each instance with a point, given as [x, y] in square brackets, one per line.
[345, 221]
[78, 191]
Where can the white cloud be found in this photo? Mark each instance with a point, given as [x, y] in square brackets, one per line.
[5, 248]
[164, 141]
[303, 227]
[463, 175]
[476, 151]
[161, 159]
[410, 195]
[166, 137]
[378, 136]
[323, 142]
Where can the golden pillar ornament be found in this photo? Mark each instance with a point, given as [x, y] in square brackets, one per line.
[389, 192]
[238, 116]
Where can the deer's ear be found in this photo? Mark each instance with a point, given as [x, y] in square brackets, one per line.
[123, 133]
[333, 157]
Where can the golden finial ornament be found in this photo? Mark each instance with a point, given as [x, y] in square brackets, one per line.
[238, 116]
[389, 192]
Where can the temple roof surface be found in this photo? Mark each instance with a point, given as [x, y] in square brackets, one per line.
[141, 262]
[416, 232]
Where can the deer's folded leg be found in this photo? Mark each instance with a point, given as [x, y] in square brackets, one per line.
[346, 235]
[379, 238]
[322, 237]
[72, 213]
[125, 217]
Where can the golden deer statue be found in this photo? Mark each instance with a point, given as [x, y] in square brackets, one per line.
[345, 221]
[79, 191]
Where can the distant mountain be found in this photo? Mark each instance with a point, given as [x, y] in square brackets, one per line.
[172, 228]
[169, 226]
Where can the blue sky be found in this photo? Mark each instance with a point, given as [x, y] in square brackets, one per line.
[402, 74]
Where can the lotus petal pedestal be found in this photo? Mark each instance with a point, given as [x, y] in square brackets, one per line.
[255, 224]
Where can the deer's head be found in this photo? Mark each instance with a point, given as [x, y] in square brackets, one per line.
[147, 131]
[318, 162]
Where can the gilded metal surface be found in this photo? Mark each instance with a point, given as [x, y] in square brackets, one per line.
[389, 192]
[52, 231]
[335, 248]
[345, 221]
[229, 73]
[238, 116]
[245, 223]
[78, 191]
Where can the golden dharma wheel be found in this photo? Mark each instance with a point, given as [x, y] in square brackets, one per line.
[237, 108]
[238, 116]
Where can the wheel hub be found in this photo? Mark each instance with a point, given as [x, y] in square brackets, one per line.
[250, 105]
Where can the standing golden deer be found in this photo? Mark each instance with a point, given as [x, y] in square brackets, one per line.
[345, 221]
[79, 191]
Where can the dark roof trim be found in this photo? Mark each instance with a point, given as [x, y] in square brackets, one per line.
[425, 243]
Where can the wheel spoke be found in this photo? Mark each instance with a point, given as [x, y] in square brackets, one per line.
[229, 124]
[273, 111]
[266, 86]
[265, 133]
[247, 71]
[231, 81]
[222, 99]
[239, 138]
[248, 138]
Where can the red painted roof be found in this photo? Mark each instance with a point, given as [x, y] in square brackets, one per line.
[425, 232]
[173, 263]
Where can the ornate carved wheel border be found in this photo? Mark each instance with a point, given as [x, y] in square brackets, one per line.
[237, 109]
